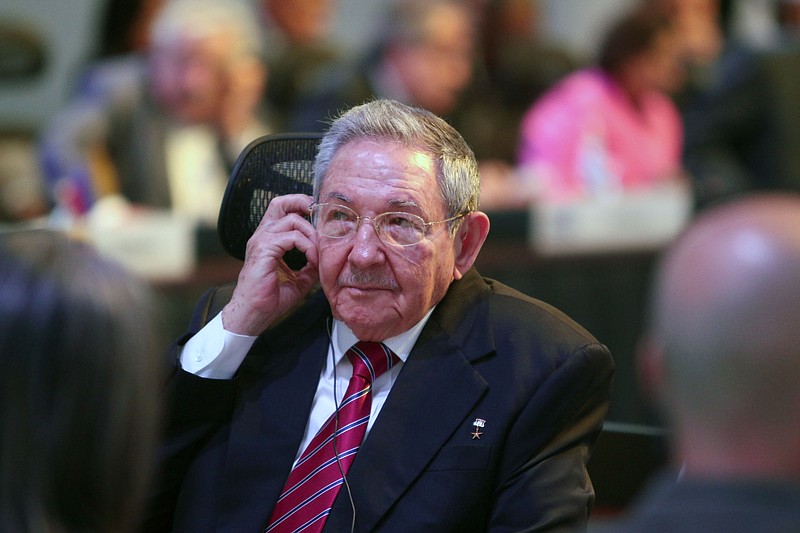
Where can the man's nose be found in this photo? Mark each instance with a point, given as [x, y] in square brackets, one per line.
[367, 245]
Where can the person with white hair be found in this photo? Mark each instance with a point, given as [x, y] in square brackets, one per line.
[166, 134]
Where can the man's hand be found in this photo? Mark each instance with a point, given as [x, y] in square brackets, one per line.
[267, 287]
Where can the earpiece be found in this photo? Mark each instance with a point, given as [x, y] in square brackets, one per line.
[336, 426]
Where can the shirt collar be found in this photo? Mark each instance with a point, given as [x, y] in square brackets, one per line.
[342, 338]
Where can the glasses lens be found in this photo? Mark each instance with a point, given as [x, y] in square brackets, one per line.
[338, 221]
[400, 229]
[332, 220]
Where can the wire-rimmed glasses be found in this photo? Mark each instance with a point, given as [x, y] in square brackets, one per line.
[394, 228]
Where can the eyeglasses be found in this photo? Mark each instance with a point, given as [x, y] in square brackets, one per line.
[394, 228]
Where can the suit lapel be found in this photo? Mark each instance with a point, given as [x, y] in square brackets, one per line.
[278, 388]
[417, 418]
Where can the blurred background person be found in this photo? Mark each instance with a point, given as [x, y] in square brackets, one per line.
[79, 388]
[425, 58]
[788, 16]
[721, 357]
[741, 118]
[609, 127]
[125, 27]
[515, 64]
[169, 137]
[299, 50]
[122, 43]
[702, 25]
[22, 193]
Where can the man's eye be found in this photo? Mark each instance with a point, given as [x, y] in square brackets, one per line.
[340, 216]
[400, 221]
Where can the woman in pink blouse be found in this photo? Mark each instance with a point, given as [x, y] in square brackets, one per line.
[612, 127]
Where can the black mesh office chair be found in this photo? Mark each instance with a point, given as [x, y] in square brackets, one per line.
[269, 166]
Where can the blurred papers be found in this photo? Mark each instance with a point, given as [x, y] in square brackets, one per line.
[157, 245]
[642, 219]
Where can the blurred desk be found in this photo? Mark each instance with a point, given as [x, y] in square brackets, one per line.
[209, 271]
[213, 267]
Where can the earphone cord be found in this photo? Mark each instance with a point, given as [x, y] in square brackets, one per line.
[336, 434]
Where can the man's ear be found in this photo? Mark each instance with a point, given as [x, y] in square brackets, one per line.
[469, 240]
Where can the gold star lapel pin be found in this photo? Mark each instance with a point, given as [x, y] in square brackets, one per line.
[478, 424]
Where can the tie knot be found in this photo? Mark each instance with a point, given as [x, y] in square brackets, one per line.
[370, 359]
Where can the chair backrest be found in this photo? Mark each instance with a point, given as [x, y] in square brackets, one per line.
[625, 458]
[269, 166]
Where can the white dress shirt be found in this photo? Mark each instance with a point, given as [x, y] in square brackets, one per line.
[217, 353]
[196, 172]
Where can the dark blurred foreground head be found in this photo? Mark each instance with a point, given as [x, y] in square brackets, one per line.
[78, 387]
[723, 352]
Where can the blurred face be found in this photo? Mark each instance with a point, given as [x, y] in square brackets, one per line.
[660, 68]
[789, 16]
[380, 290]
[664, 63]
[189, 76]
[139, 33]
[700, 29]
[303, 21]
[437, 70]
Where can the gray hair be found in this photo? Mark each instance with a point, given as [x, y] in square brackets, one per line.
[202, 18]
[414, 127]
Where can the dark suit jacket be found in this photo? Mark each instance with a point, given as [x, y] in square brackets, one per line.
[711, 506]
[137, 144]
[539, 380]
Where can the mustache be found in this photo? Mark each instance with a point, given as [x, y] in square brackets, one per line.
[366, 279]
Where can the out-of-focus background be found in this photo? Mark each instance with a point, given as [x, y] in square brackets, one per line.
[123, 130]
[55, 39]
[64, 35]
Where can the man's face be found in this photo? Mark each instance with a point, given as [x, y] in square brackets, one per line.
[189, 77]
[380, 290]
[437, 71]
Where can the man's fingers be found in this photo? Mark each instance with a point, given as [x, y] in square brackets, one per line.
[275, 243]
[281, 206]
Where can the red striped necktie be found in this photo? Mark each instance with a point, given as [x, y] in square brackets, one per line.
[315, 481]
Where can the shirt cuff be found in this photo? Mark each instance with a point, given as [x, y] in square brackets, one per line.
[214, 352]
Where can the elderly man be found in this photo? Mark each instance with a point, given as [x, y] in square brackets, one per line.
[480, 405]
[722, 355]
